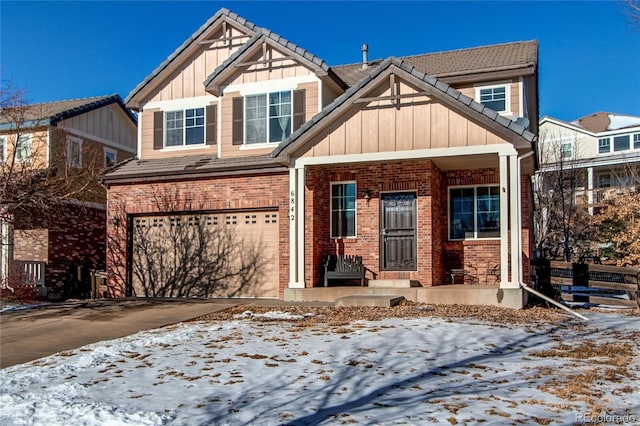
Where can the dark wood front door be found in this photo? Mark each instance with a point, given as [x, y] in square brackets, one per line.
[398, 229]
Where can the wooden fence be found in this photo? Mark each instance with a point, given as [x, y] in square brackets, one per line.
[612, 285]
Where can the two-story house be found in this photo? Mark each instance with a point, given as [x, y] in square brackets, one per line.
[601, 149]
[51, 153]
[418, 164]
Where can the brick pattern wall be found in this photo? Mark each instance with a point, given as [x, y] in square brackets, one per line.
[31, 244]
[230, 193]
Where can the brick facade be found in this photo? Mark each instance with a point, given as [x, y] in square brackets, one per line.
[223, 194]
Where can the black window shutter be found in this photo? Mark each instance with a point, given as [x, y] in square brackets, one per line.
[299, 110]
[238, 121]
[158, 130]
[212, 121]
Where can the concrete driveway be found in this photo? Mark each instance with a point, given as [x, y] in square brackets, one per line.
[29, 334]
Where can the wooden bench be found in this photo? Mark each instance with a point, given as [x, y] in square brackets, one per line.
[343, 267]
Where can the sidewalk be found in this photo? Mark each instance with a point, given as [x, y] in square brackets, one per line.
[29, 334]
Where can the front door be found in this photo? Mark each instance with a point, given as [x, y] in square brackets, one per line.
[398, 229]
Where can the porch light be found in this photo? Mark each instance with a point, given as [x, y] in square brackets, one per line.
[367, 194]
[115, 220]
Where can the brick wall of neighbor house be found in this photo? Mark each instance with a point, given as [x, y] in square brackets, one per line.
[230, 193]
[76, 238]
[401, 176]
[30, 244]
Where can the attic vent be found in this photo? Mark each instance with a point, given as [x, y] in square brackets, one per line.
[365, 56]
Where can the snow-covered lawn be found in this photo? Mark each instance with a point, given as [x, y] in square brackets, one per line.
[287, 369]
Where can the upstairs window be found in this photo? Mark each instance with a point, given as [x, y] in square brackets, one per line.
[110, 157]
[267, 117]
[185, 127]
[474, 212]
[23, 148]
[566, 150]
[343, 210]
[604, 145]
[74, 152]
[495, 97]
[636, 141]
[621, 143]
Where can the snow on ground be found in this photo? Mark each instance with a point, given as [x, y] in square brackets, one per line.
[275, 369]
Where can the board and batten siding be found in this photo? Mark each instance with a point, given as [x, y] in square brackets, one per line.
[381, 126]
[109, 123]
[188, 80]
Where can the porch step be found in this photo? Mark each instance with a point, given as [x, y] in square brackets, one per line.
[393, 283]
[369, 300]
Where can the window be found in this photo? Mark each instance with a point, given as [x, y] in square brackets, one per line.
[110, 157]
[184, 127]
[474, 212]
[621, 143]
[3, 149]
[604, 145]
[343, 210]
[494, 97]
[566, 150]
[23, 148]
[604, 181]
[74, 152]
[636, 141]
[272, 119]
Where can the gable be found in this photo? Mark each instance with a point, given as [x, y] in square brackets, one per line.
[416, 121]
[182, 74]
[398, 108]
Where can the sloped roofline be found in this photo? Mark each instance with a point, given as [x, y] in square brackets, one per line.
[452, 94]
[91, 104]
[301, 54]
[222, 13]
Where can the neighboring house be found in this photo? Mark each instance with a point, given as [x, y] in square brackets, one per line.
[603, 148]
[50, 139]
[417, 164]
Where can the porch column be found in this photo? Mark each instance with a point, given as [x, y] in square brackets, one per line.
[4, 252]
[504, 222]
[514, 197]
[590, 186]
[294, 230]
[300, 222]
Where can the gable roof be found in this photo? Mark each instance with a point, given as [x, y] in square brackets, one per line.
[605, 121]
[483, 59]
[264, 35]
[50, 113]
[446, 92]
[188, 44]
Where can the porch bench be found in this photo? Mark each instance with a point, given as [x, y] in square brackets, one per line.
[343, 267]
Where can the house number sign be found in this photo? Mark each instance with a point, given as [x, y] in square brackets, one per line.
[293, 206]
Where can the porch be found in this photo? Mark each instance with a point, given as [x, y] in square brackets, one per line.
[454, 294]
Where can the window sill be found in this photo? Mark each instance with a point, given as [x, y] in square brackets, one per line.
[259, 145]
[184, 147]
[477, 241]
[345, 239]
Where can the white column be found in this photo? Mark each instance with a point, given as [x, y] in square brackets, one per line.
[300, 222]
[590, 185]
[514, 196]
[504, 222]
[293, 230]
[4, 252]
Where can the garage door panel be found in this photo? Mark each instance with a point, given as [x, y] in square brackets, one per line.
[231, 254]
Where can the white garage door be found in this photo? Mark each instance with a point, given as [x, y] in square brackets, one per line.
[229, 254]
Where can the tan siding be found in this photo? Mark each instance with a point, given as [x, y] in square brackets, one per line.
[458, 132]
[38, 145]
[477, 135]
[311, 99]
[370, 129]
[439, 126]
[108, 122]
[515, 99]
[354, 134]
[422, 125]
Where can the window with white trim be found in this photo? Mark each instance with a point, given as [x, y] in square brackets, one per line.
[474, 212]
[3, 149]
[604, 145]
[184, 127]
[566, 150]
[496, 97]
[621, 143]
[636, 141]
[23, 148]
[110, 157]
[268, 117]
[74, 151]
[343, 210]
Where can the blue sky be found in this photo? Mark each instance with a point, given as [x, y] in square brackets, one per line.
[589, 51]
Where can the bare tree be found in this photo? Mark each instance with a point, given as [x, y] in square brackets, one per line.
[563, 225]
[632, 9]
[36, 176]
[185, 254]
